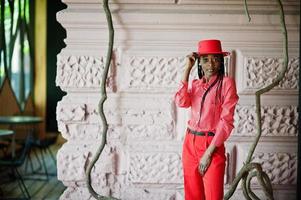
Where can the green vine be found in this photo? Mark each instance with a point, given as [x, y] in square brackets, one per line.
[100, 105]
[250, 170]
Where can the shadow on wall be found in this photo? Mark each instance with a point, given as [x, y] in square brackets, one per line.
[55, 43]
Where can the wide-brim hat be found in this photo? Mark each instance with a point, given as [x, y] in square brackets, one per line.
[210, 47]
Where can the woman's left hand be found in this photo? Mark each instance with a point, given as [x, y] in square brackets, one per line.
[206, 159]
[204, 163]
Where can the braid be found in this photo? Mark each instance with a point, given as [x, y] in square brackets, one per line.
[200, 70]
[221, 73]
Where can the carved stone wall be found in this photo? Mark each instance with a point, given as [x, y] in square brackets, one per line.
[260, 72]
[155, 168]
[142, 158]
[280, 167]
[276, 121]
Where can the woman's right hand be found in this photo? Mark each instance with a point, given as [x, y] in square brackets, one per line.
[189, 64]
[190, 61]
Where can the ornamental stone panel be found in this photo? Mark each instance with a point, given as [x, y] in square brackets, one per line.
[134, 193]
[259, 72]
[76, 193]
[158, 74]
[280, 163]
[74, 158]
[71, 112]
[153, 73]
[276, 121]
[81, 120]
[71, 164]
[81, 72]
[281, 167]
[155, 132]
[155, 168]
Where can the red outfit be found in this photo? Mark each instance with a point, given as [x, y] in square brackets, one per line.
[216, 116]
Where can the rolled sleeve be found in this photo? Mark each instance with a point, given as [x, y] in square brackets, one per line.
[182, 97]
[225, 124]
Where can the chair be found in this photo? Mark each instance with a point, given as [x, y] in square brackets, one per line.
[7, 141]
[14, 163]
[4, 147]
[43, 145]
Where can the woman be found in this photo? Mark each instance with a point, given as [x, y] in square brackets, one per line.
[212, 99]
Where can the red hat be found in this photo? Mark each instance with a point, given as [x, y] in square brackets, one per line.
[210, 47]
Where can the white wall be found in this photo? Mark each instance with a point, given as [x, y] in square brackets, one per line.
[143, 157]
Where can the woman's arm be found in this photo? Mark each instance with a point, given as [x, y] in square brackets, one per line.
[183, 95]
[226, 120]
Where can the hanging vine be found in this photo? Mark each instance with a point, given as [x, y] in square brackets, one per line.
[250, 170]
[100, 105]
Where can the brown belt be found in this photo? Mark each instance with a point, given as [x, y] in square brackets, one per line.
[200, 133]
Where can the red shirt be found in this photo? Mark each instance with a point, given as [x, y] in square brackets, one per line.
[216, 116]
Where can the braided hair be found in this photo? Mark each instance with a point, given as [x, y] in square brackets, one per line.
[218, 81]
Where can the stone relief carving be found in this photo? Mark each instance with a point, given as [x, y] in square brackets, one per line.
[154, 71]
[157, 73]
[261, 71]
[80, 193]
[146, 116]
[156, 131]
[116, 183]
[277, 120]
[81, 121]
[280, 167]
[73, 159]
[71, 112]
[81, 72]
[148, 193]
[82, 131]
[155, 168]
[76, 193]
[71, 165]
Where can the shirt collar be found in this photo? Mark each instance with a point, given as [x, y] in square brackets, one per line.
[212, 78]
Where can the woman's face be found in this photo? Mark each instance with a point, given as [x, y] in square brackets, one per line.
[211, 64]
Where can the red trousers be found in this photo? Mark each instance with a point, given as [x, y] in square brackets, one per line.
[211, 185]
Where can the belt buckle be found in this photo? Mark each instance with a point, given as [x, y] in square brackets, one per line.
[210, 133]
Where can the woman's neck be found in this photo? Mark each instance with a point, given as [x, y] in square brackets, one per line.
[207, 79]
